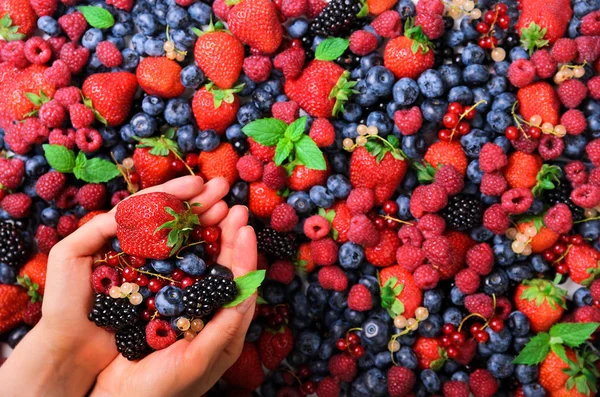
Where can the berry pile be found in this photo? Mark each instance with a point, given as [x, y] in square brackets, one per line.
[421, 176]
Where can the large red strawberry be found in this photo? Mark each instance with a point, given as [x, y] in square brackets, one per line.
[33, 276]
[219, 162]
[16, 13]
[399, 292]
[410, 54]
[539, 99]
[13, 302]
[247, 371]
[262, 200]
[215, 109]
[551, 18]
[429, 352]
[541, 301]
[255, 23]
[154, 225]
[303, 178]
[111, 95]
[384, 252]
[341, 221]
[583, 263]
[154, 160]
[160, 76]
[274, 346]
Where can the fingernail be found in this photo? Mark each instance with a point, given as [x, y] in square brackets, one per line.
[247, 209]
[247, 304]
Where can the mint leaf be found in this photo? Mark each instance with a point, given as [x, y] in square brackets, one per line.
[309, 154]
[98, 170]
[295, 130]
[331, 48]
[247, 285]
[535, 351]
[283, 150]
[97, 17]
[573, 334]
[265, 131]
[60, 158]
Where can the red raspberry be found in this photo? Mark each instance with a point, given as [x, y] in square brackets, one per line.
[183, 3]
[455, 388]
[588, 48]
[480, 259]
[550, 147]
[316, 227]
[432, 24]
[104, 278]
[416, 209]
[284, 218]
[594, 177]
[408, 121]
[88, 140]
[293, 8]
[362, 231]
[14, 52]
[127, 5]
[521, 72]
[52, 114]
[438, 251]
[33, 313]
[574, 120]
[118, 196]
[467, 281]
[496, 219]
[517, 200]
[361, 200]
[332, 278]
[400, 381]
[359, 298]
[524, 144]
[434, 197]
[481, 304]
[73, 24]
[67, 96]
[492, 158]
[426, 277]
[493, 184]
[37, 51]
[595, 289]
[315, 7]
[250, 168]
[159, 334]
[265, 153]
[322, 132]
[324, 251]
[586, 196]
[559, 219]
[449, 177]
[74, 56]
[435, 7]
[274, 177]
[571, 93]
[483, 383]
[34, 132]
[576, 172]
[57, 44]
[66, 198]
[257, 68]
[12, 171]
[564, 50]
[387, 24]
[17, 205]
[362, 42]
[503, 308]
[44, 8]
[431, 225]
[62, 137]
[290, 62]
[343, 367]
[287, 111]
[46, 238]
[81, 116]
[411, 235]
[593, 86]
[91, 196]
[67, 224]
[108, 54]
[593, 152]
[590, 24]
[328, 387]
[14, 141]
[587, 314]
[282, 271]
[409, 257]
[221, 9]
[545, 65]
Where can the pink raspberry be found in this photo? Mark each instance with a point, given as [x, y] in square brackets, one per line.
[17, 205]
[14, 52]
[574, 121]
[66, 199]
[496, 219]
[492, 158]
[57, 44]
[435, 7]
[432, 24]
[67, 96]
[588, 48]
[81, 116]
[467, 281]
[409, 257]
[257, 67]
[593, 151]
[12, 171]
[359, 298]
[250, 168]
[88, 140]
[104, 278]
[91, 196]
[434, 197]
[333, 278]
[545, 65]
[324, 251]
[493, 184]
[480, 259]
[46, 238]
[431, 225]
[449, 177]
[576, 172]
[282, 271]
[67, 224]
[571, 93]
[362, 42]
[415, 206]
[594, 177]
[387, 24]
[564, 50]
[517, 200]
[408, 121]
[62, 137]
[118, 196]
[74, 56]
[274, 176]
[593, 86]
[316, 227]
[586, 196]
[411, 235]
[44, 7]
[322, 132]
[284, 218]
[590, 24]
[521, 72]
[34, 132]
[481, 304]
[287, 111]
[361, 200]
[73, 24]
[525, 144]
[108, 54]
[293, 8]
[595, 289]
[15, 142]
[426, 277]
[438, 251]
[160, 334]
[559, 218]
[52, 114]
[362, 231]
[37, 50]
[315, 7]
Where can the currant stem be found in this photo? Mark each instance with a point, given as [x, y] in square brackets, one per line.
[395, 219]
[464, 114]
[125, 173]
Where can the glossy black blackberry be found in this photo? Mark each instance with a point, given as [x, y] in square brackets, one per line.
[337, 18]
[277, 245]
[205, 296]
[562, 194]
[463, 212]
[13, 249]
[131, 342]
[113, 313]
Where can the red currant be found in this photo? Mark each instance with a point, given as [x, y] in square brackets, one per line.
[453, 352]
[450, 120]
[445, 135]
[358, 351]
[475, 328]
[134, 178]
[154, 285]
[463, 128]
[496, 325]
[489, 17]
[469, 113]
[559, 249]
[137, 261]
[265, 310]
[177, 165]
[130, 274]
[535, 132]
[142, 280]
[211, 234]
[390, 207]
[503, 21]
[576, 239]
[303, 371]
[379, 223]
[213, 248]
[562, 268]
[186, 282]
[455, 107]
[191, 159]
[482, 27]
[112, 258]
[353, 339]
[511, 133]
[309, 387]
[177, 275]
[482, 337]
[283, 310]
[449, 329]
[146, 315]
[151, 303]
[458, 338]
[391, 224]
[445, 341]
[341, 344]
[549, 256]
[501, 8]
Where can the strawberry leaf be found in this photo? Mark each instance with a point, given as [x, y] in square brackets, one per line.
[60, 158]
[33, 98]
[535, 351]
[8, 31]
[532, 37]
[266, 132]
[309, 154]
[426, 172]
[97, 17]
[283, 150]
[331, 48]
[247, 285]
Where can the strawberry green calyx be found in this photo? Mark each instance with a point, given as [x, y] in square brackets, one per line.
[88, 103]
[379, 146]
[541, 290]
[36, 100]
[231, 3]
[389, 300]
[221, 96]
[8, 31]
[31, 287]
[341, 92]
[426, 172]
[547, 179]
[364, 10]
[160, 146]
[437, 364]
[583, 373]
[212, 27]
[532, 37]
[181, 226]
[415, 33]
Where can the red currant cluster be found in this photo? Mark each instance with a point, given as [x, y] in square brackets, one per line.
[390, 208]
[301, 378]
[352, 344]
[492, 19]
[557, 253]
[454, 121]
[454, 338]
[275, 316]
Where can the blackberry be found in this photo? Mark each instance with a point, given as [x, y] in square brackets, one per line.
[13, 249]
[337, 18]
[562, 194]
[275, 244]
[113, 313]
[206, 295]
[131, 342]
[463, 212]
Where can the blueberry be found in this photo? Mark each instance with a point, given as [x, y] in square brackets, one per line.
[376, 382]
[169, 301]
[186, 138]
[36, 166]
[583, 7]
[308, 343]
[207, 140]
[162, 266]
[177, 17]
[539, 264]
[500, 365]
[355, 318]
[127, 133]
[153, 105]
[526, 373]
[472, 54]
[16, 335]
[130, 59]
[184, 40]
[582, 297]
[414, 145]
[518, 53]
[321, 197]
[455, 38]
[8, 275]
[432, 300]
[143, 125]
[504, 102]
[192, 264]
[433, 109]
[247, 113]
[248, 85]
[339, 186]
[474, 141]
[380, 80]
[370, 61]
[430, 380]
[432, 326]
[349, 131]
[298, 28]
[374, 334]
[468, 29]
[339, 163]
[452, 315]
[405, 91]
[122, 29]
[476, 74]
[200, 12]
[498, 121]
[49, 216]
[91, 38]
[460, 376]
[431, 83]
[352, 112]
[534, 390]
[273, 87]
[49, 26]
[365, 97]
[574, 146]
[220, 271]
[178, 112]
[383, 360]
[350, 255]
[254, 331]
[461, 94]
[574, 28]
[520, 272]
[406, 9]
[154, 47]
[483, 95]
[498, 342]
[234, 131]
[457, 297]
[496, 282]
[191, 76]
[301, 202]
[119, 42]
[497, 85]
[316, 296]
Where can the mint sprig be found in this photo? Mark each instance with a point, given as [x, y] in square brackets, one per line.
[331, 48]
[97, 17]
[95, 170]
[247, 285]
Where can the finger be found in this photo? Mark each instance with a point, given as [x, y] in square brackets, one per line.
[237, 217]
[214, 214]
[86, 240]
[213, 191]
[244, 253]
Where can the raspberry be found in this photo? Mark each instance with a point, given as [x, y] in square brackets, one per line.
[315, 7]
[426, 277]
[17, 205]
[517, 200]
[67, 224]
[33, 313]
[66, 198]
[449, 177]
[409, 257]
[387, 24]
[483, 383]
[287, 111]
[282, 271]
[159, 334]
[44, 8]
[588, 48]
[481, 304]
[586, 196]
[362, 231]
[550, 147]
[576, 172]
[431, 225]
[593, 86]
[343, 367]
[62, 137]
[545, 65]
[50, 184]
[521, 72]
[316, 227]
[257, 68]
[37, 51]
[328, 387]
[432, 24]
[221, 9]
[593, 152]
[127, 5]
[590, 24]
[594, 177]
[495, 219]
[11, 172]
[88, 140]
[434, 197]
[332, 278]
[74, 56]
[81, 116]
[284, 218]
[595, 289]
[290, 62]
[91, 196]
[359, 298]
[493, 184]
[324, 251]
[410, 235]
[400, 380]
[467, 281]
[524, 144]
[503, 308]
[587, 314]
[52, 114]
[361, 200]
[559, 219]
[322, 132]
[480, 259]
[15, 142]
[73, 24]
[571, 93]
[67, 96]
[274, 177]
[265, 153]
[293, 8]
[455, 388]
[108, 54]
[362, 42]
[564, 50]
[492, 158]
[250, 168]
[573, 120]
[57, 44]
[438, 251]
[34, 132]
[14, 52]
[104, 278]
[46, 238]
[118, 196]
[435, 7]
[408, 121]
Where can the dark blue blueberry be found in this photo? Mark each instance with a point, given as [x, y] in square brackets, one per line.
[115, 245]
[499, 342]
[207, 140]
[455, 38]
[321, 196]
[295, 358]
[143, 125]
[574, 28]
[432, 300]
[177, 17]
[138, 42]
[153, 105]
[16, 335]
[469, 30]
[49, 26]
[501, 68]
[162, 266]
[184, 40]
[451, 75]
[254, 331]
[410, 180]
[146, 23]
[316, 296]
[539, 264]
[431, 83]
[518, 53]
[520, 272]
[91, 38]
[433, 109]
[352, 111]
[370, 282]
[274, 293]
[474, 141]
[186, 138]
[365, 97]
[351, 255]
[414, 145]
[49, 216]
[122, 29]
[474, 172]
[178, 112]
[273, 87]
[130, 59]
[94, 63]
[192, 76]
[383, 359]
[355, 318]
[380, 120]
[370, 61]
[526, 373]
[496, 282]
[127, 133]
[154, 47]
[497, 85]
[534, 390]
[234, 131]
[247, 113]
[504, 102]
[472, 54]
[339, 186]
[36, 166]
[349, 131]
[503, 253]
[582, 297]
[452, 315]
[8, 275]
[406, 357]
[450, 366]
[481, 234]
[298, 28]
[119, 42]
[192, 264]
[301, 202]
[476, 74]
[457, 297]
[589, 230]
[380, 80]
[308, 343]
[403, 202]
[500, 365]
[498, 121]
[461, 94]
[406, 9]
[200, 12]
[374, 334]
[574, 146]
[248, 87]
[482, 94]
[432, 326]
[338, 301]
[405, 91]
[519, 342]
[169, 301]
[430, 380]
[339, 163]
[460, 376]
[376, 382]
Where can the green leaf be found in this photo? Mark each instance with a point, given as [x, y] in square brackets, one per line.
[60, 158]
[97, 17]
[532, 37]
[309, 154]
[295, 130]
[267, 132]
[283, 150]
[33, 98]
[535, 351]
[247, 285]
[573, 334]
[331, 48]
[95, 170]
[559, 350]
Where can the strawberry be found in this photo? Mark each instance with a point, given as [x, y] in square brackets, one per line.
[160, 76]
[409, 55]
[377, 7]
[247, 371]
[33, 275]
[551, 17]
[262, 200]
[17, 13]
[541, 301]
[321, 89]
[583, 263]
[219, 162]
[274, 346]
[543, 240]
[305, 260]
[429, 352]
[111, 95]
[341, 221]
[447, 153]
[539, 99]
[13, 302]
[522, 170]
[555, 373]
[220, 55]
[384, 252]
[303, 178]
[154, 225]
[399, 293]
[255, 22]
[214, 108]
[154, 159]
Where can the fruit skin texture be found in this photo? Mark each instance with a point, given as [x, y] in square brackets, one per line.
[255, 23]
[427, 351]
[554, 16]
[447, 153]
[384, 253]
[13, 302]
[262, 200]
[399, 58]
[303, 178]
[580, 258]
[411, 296]
[522, 170]
[153, 170]
[219, 162]
[543, 240]
[21, 13]
[553, 379]
[274, 347]
[539, 99]
[220, 55]
[247, 371]
[210, 117]
[111, 94]
[160, 76]
[36, 268]
[544, 315]
[382, 177]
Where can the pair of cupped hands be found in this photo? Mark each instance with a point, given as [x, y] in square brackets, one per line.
[67, 355]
